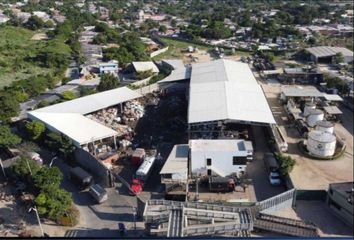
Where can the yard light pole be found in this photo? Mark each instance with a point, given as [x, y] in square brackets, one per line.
[39, 221]
[2, 167]
[29, 168]
[134, 217]
[51, 161]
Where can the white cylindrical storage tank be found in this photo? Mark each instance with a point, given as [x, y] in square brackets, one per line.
[314, 116]
[308, 107]
[325, 126]
[322, 144]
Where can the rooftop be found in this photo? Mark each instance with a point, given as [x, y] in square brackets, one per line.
[325, 51]
[177, 161]
[218, 145]
[221, 90]
[145, 66]
[344, 188]
[67, 117]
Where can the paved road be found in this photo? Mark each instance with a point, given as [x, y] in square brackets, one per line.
[100, 220]
[256, 169]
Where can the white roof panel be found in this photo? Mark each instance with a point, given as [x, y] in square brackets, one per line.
[221, 90]
[177, 161]
[94, 102]
[145, 66]
[75, 126]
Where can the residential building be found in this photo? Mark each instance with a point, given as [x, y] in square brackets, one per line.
[109, 67]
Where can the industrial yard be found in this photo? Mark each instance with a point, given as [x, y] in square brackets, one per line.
[308, 173]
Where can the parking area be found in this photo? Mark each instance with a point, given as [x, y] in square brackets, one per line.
[310, 174]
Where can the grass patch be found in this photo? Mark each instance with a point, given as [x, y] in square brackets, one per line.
[176, 47]
[16, 48]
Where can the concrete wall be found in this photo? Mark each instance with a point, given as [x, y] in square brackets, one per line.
[93, 166]
[221, 161]
[158, 52]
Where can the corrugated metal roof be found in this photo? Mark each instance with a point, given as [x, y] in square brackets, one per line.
[301, 91]
[78, 128]
[326, 51]
[175, 63]
[333, 110]
[224, 89]
[177, 161]
[93, 102]
[178, 75]
[67, 117]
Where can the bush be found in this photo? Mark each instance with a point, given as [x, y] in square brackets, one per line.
[70, 218]
[35, 129]
[286, 163]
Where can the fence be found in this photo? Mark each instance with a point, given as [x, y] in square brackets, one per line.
[158, 52]
[281, 201]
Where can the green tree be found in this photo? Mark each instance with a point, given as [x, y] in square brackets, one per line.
[7, 138]
[339, 58]
[34, 23]
[46, 177]
[21, 96]
[162, 28]
[286, 163]
[108, 81]
[68, 95]
[63, 144]
[35, 129]
[23, 168]
[9, 106]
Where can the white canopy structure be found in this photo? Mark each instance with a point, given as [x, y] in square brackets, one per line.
[68, 117]
[145, 66]
[226, 90]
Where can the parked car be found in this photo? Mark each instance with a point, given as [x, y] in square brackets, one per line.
[272, 168]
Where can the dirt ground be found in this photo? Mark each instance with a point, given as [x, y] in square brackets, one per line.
[311, 174]
[15, 218]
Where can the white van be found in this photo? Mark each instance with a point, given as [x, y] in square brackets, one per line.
[98, 193]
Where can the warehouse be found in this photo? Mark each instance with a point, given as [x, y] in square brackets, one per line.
[68, 117]
[219, 93]
[325, 54]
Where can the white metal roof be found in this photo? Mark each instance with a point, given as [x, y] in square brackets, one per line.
[67, 117]
[145, 167]
[77, 127]
[93, 102]
[145, 66]
[178, 75]
[300, 91]
[226, 90]
[332, 97]
[177, 161]
[325, 51]
[175, 63]
[222, 145]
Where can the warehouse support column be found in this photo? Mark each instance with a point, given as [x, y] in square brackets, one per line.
[115, 142]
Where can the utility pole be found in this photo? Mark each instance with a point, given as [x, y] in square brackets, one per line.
[2, 167]
[39, 221]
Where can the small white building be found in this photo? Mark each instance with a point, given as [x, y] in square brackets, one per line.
[219, 157]
[109, 67]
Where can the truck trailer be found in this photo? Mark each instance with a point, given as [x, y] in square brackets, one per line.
[81, 177]
[142, 174]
